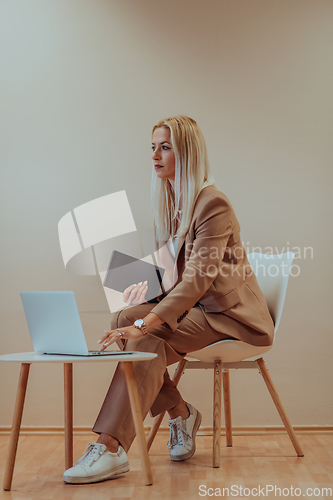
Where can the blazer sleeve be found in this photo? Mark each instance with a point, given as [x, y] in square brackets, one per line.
[212, 229]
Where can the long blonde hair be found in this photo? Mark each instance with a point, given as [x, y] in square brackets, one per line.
[192, 174]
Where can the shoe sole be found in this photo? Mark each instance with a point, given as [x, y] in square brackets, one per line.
[190, 454]
[116, 471]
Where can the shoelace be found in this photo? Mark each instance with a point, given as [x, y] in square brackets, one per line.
[178, 434]
[182, 435]
[173, 435]
[92, 454]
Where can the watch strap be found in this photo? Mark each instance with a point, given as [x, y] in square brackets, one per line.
[142, 327]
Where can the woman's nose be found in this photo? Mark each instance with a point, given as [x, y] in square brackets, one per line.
[156, 154]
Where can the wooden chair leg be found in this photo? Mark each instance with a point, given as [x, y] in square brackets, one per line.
[217, 413]
[227, 405]
[68, 404]
[277, 401]
[137, 418]
[159, 418]
[17, 418]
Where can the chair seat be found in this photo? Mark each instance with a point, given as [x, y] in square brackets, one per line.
[228, 351]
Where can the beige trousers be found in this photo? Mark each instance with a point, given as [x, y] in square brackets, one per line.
[157, 392]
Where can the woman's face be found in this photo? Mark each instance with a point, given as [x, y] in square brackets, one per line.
[162, 154]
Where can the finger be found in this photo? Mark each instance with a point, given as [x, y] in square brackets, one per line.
[129, 288]
[142, 287]
[104, 336]
[132, 298]
[127, 291]
[143, 294]
[109, 341]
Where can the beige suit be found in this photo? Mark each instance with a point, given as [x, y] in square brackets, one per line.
[213, 272]
[213, 295]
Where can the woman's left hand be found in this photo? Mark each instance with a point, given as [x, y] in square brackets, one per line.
[126, 332]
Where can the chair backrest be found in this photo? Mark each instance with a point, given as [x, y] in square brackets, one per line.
[272, 273]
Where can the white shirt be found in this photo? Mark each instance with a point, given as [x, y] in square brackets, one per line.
[175, 245]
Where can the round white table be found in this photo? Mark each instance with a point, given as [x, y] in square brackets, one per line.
[27, 358]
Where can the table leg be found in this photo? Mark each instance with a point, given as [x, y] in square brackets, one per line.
[137, 417]
[68, 404]
[17, 418]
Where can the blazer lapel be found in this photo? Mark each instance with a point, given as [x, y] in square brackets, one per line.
[181, 242]
[177, 264]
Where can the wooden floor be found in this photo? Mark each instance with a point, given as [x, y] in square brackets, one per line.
[253, 461]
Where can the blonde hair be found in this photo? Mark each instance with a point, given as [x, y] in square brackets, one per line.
[192, 174]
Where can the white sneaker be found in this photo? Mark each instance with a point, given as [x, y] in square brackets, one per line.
[97, 464]
[182, 435]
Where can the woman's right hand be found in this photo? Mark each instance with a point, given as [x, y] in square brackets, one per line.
[135, 294]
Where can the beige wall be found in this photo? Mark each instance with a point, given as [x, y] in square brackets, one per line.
[82, 84]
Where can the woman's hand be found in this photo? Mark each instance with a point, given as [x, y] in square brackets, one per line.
[135, 294]
[126, 332]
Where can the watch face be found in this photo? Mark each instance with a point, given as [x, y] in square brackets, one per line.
[138, 322]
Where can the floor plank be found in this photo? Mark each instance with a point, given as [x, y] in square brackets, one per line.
[253, 462]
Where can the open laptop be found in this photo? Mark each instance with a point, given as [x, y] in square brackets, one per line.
[55, 326]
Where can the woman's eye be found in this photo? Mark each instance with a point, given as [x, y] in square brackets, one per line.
[153, 148]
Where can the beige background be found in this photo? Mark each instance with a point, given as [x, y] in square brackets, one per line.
[82, 84]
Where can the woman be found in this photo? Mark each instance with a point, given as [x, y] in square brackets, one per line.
[210, 294]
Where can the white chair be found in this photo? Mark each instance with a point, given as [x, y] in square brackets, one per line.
[272, 272]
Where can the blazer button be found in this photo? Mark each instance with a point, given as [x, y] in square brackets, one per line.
[248, 270]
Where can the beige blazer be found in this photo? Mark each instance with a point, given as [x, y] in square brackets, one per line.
[211, 270]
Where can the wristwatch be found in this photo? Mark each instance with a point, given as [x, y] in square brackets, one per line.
[141, 325]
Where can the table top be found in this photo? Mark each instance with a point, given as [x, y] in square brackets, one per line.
[33, 357]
